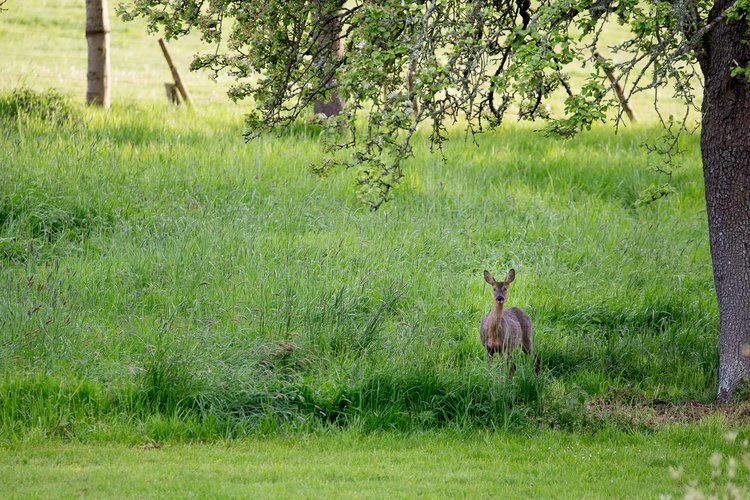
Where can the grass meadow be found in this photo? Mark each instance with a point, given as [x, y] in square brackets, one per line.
[162, 281]
[158, 263]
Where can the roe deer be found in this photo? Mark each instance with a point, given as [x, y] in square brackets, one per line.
[503, 330]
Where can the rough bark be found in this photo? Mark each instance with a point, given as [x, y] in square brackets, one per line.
[329, 47]
[97, 37]
[725, 146]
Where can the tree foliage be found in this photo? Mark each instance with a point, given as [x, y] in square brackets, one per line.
[473, 61]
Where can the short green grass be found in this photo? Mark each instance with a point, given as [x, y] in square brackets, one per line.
[546, 464]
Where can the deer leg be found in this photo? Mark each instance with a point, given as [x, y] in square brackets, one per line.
[506, 362]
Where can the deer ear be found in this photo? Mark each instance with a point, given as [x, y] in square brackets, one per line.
[488, 278]
[511, 276]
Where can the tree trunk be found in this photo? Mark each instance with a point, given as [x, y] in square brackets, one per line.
[725, 147]
[329, 47]
[97, 37]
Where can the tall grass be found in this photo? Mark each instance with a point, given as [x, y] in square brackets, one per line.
[176, 274]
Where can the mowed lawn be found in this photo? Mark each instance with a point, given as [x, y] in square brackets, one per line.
[544, 464]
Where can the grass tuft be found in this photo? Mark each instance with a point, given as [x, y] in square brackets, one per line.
[49, 106]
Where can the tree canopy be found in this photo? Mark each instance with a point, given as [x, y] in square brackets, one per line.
[406, 63]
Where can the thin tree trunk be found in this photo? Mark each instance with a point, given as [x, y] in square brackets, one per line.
[410, 85]
[97, 37]
[725, 146]
[330, 47]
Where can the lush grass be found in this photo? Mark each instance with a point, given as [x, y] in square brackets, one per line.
[546, 464]
[162, 279]
[157, 259]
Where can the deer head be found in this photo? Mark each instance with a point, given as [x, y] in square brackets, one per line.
[500, 288]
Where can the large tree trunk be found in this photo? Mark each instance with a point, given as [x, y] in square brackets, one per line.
[725, 146]
[329, 48]
[97, 37]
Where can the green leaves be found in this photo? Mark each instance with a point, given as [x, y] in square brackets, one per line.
[410, 64]
[743, 71]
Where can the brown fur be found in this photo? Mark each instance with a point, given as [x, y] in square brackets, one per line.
[503, 330]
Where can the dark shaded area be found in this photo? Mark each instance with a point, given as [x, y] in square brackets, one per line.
[38, 215]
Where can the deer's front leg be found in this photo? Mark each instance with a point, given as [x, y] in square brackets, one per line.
[490, 357]
[507, 361]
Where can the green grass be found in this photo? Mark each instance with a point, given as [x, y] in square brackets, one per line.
[160, 260]
[545, 464]
[163, 281]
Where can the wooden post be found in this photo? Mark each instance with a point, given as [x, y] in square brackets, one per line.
[618, 88]
[175, 74]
